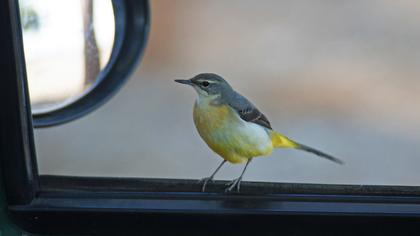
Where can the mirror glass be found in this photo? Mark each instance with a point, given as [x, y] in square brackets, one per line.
[66, 43]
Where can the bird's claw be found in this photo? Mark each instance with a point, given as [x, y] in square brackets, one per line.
[205, 181]
[232, 184]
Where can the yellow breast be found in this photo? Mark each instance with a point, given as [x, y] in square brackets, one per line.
[226, 134]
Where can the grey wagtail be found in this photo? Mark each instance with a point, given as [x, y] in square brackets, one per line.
[233, 127]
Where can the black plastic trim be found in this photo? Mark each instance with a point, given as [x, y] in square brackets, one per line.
[157, 186]
[98, 206]
[17, 149]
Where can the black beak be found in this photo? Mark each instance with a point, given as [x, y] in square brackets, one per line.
[184, 81]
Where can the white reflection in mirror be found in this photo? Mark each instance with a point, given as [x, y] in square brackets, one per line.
[66, 44]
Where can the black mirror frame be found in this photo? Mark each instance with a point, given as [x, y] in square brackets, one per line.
[101, 206]
[131, 25]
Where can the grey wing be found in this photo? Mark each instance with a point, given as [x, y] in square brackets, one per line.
[247, 111]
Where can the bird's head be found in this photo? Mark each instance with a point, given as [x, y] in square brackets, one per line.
[207, 84]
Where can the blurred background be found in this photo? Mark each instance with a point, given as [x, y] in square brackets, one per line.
[341, 76]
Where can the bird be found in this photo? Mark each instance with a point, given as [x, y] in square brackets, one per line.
[234, 128]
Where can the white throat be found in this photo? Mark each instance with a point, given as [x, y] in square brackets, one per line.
[204, 99]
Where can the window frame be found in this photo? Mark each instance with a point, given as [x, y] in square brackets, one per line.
[65, 204]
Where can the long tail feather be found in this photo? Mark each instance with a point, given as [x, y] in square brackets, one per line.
[281, 141]
[318, 153]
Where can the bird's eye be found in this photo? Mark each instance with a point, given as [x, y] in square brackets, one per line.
[205, 83]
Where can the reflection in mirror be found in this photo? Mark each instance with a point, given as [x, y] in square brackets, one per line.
[66, 45]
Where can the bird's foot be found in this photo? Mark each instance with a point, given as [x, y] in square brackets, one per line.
[232, 184]
[205, 181]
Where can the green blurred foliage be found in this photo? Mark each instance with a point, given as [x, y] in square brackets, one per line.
[29, 18]
[7, 228]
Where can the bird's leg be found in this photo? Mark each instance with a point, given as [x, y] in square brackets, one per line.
[237, 182]
[207, 179]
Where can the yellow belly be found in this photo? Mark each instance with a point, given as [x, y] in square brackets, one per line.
[228, 135]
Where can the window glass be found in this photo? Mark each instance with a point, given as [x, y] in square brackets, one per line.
[66, 44]
[341, 76]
